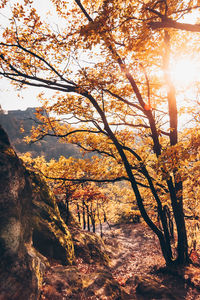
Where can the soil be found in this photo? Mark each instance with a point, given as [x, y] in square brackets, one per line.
[135, 254]
[136, 271]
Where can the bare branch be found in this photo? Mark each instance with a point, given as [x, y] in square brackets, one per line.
[122, 99]
[83, 180]
[78, 2]
[95, 150]
[43, 135]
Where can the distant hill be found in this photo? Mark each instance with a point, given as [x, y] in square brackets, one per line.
[13, 120]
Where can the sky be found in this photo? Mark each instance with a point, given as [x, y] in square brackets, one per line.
[11, 99]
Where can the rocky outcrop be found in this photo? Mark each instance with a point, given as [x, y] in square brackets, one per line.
[69, 283]
[29, 223]
[14, 120]
[50, 236]
[19, 261]
[89, 247]
[35, 241]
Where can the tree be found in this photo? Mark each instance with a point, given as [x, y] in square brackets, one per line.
[85, 197]
[105, 65]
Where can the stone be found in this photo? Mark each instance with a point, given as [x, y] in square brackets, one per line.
[62, 282]
[37, 248]
[51, 236]
[150, 287]
[89, 246]
[31, 229]
[20, 266]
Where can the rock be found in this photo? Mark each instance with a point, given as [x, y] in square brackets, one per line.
[150, 288]
[102, 285]
[37, 247]
[51, 236]
[20, 266]
[88, 246]
[28, 217]
[62, 283]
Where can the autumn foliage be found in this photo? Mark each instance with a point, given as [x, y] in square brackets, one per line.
[106, 86]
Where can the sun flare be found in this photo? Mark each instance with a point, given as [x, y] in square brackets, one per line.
[185, 72]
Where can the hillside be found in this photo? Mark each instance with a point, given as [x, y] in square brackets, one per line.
[43, 259]
[13, 120]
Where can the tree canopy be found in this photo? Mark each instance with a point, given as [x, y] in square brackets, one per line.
[109, 66]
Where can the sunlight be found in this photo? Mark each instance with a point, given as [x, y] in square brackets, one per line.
[185, 72]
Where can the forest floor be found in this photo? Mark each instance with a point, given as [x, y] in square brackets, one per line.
[136, 271]
[136, 260]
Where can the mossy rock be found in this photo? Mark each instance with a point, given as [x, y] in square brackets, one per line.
[41, 190]
[21, 267]
[51, 236]
[89, 246]
[69, 283]
[102, 285]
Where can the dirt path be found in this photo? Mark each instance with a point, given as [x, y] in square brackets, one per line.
[135, 253]
[132, 274]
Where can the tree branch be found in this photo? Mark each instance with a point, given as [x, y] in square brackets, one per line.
[123, 100]
[168, 23]
[83, 180]
[66, 134]
[39, 58]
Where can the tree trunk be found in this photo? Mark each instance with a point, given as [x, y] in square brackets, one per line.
[93, 223]
[78, 212]
[83, 212]
[98, 216]
[176, 188]
[88, 218]
[177, 206]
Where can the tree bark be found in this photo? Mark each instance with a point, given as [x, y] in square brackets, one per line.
[168, 23]
[176, 188]
[78, 212]
[83, 214]
[88, 218]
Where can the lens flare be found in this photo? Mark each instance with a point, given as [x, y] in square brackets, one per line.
[185, 72]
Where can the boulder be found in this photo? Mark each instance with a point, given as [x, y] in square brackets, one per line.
[89, 246]
[21, 268]
[51, 236]
[64, 282]
[37, 248]
[29, 223]
[149, 287]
